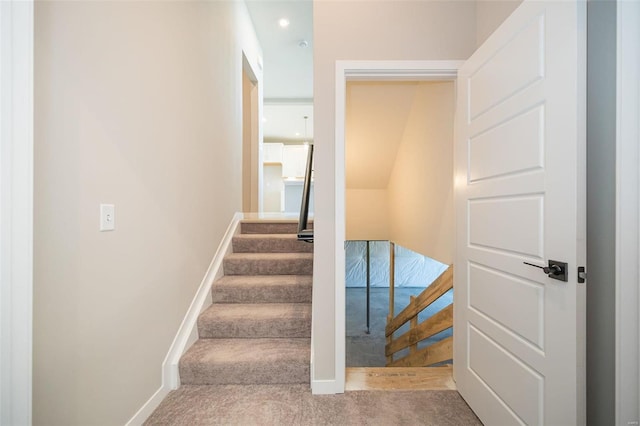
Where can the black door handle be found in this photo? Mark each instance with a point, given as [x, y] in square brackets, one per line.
[556, 270]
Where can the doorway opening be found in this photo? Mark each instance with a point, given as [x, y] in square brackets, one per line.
[399, 185]
[288, 130]
[384, 186]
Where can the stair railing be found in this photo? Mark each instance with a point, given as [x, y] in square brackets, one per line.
[433, 354]
[304, 232]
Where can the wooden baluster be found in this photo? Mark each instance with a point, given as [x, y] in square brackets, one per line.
[413, 323]
[392, 276]
[389, 339]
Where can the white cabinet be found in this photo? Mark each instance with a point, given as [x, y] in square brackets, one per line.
[284, 170]
[273, 192]
[294, 161]
[272, 153]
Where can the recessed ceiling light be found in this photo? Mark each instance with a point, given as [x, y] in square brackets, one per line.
[297, 134]
[264, 119]
[283, 22]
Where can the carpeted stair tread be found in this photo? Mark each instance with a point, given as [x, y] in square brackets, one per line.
[268, 264]
[270, 243]
[236, 320]
[246, 361]
[271, 227]
[262, 289]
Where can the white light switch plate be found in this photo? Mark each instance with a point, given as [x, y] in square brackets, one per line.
[107, 217]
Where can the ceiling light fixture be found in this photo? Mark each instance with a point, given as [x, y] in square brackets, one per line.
[283, 22]
[303, 44]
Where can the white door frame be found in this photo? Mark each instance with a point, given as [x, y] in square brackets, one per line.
[627, 214]
[373, 71]
[16, 210]
[256, 165]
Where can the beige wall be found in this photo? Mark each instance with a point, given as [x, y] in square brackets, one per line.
[136, 104]
[420, 190]
[367, 214]
[351, 30]
[490, 14]
[398, 160]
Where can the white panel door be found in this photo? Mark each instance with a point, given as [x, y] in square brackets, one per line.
[519, 341]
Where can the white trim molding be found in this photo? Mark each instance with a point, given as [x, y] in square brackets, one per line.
[16, 211]
[188, 332]
[373, 71]
[627, 214]
[324, 387]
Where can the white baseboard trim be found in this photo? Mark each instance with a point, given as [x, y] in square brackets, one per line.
[145, 411]
[325, 387]
[188, 332]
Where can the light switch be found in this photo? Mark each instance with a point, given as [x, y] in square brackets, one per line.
[107, 217]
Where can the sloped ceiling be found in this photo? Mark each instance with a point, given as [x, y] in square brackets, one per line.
[377, 113]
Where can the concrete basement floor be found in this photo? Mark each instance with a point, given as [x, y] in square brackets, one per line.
[367, 350]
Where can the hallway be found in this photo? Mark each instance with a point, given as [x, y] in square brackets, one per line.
[294, 405]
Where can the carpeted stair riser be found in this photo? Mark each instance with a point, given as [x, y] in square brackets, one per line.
[249, 227]
[246, 361]
[262, 289]
[268, 264]
[270, 243]
[221, 321]
[257, 331]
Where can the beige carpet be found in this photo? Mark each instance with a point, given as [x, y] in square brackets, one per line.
[294, 405]
[258, 329]
[250, 365]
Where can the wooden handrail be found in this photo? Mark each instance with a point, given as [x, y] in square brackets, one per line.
[440, 286]
[433, 354]
[433, 325]
[438, 352]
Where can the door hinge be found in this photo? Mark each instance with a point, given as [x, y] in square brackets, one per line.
[582, 275]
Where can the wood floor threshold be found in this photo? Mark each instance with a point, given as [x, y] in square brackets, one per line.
[400, 378]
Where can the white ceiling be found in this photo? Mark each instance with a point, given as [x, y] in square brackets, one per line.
[288, 68]
[284, 123]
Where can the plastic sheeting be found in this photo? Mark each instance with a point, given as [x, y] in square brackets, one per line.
[412, 269]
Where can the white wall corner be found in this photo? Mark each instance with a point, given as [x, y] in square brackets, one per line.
[188, 332]
[16, 211]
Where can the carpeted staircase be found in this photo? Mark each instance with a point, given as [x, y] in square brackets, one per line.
[258, 329]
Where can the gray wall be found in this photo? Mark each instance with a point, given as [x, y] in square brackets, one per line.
[601, 132]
